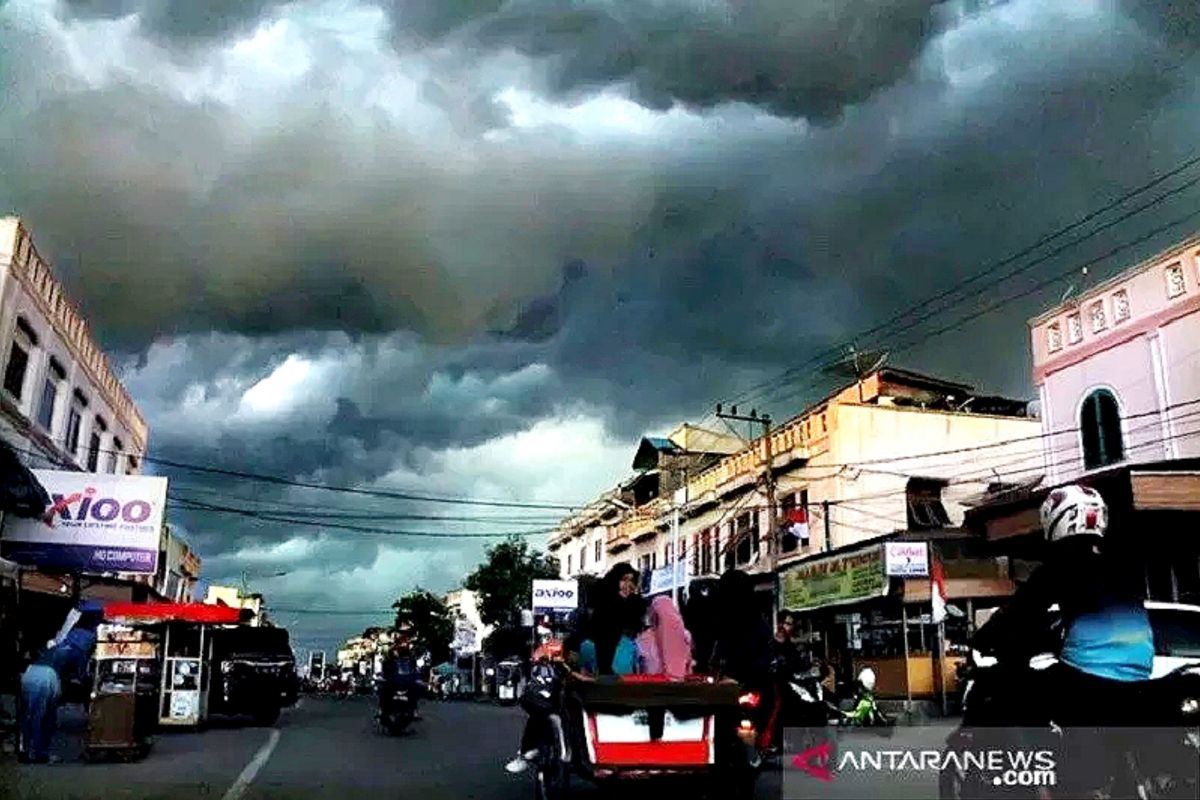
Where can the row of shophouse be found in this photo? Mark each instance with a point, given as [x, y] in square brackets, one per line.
[62, 408]
[824, 507]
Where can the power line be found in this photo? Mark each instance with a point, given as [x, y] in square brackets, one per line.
[1037, 287]
[388, 494]
[314, 511]
[251, 514]
[1046, 239]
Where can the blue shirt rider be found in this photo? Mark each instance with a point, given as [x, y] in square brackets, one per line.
[1105, 641]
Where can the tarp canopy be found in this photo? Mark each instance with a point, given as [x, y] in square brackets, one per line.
[445, 669]
[174, 612]
[21, 493]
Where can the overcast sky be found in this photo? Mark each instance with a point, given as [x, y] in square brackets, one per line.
[477, 248]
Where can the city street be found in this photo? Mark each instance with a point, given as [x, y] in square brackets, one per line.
[329, 748]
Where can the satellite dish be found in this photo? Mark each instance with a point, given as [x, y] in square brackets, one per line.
[856, 364]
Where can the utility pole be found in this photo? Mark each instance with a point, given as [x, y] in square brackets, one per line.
[768, 480]
[828, 525]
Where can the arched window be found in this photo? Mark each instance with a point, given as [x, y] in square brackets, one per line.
[1100, 427]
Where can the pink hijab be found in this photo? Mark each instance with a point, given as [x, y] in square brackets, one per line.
[666, 646]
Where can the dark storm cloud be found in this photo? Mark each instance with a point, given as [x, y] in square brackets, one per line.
[180, 21]
[542, 273]
[798, 59]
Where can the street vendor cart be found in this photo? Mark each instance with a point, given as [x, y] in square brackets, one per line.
[186, 653]
[123, 712]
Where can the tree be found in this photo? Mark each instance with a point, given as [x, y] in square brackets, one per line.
[505, 578]
[427, 618]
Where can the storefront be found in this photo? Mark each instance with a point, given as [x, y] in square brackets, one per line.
[870, 606]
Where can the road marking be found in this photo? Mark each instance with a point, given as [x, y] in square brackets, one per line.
[243, 781]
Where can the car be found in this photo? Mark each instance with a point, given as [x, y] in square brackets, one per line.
[1176, 636]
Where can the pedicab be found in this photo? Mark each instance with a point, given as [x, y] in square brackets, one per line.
[609, 730]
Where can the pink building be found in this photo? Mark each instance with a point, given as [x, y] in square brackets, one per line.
[1118, 368]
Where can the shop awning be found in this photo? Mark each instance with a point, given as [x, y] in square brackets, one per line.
[176, 612]
[21, 493]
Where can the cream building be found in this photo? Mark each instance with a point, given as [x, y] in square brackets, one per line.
[61, 404]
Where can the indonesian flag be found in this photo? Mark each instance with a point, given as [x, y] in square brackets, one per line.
[937, 593]
[797, 523]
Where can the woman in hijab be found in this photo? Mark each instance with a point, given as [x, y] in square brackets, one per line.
[665, 647]
[743, 637]
[616, 604]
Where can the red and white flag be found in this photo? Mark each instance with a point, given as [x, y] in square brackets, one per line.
[797, 523]
[937, 594]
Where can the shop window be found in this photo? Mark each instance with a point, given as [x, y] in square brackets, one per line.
[746, 536]
[1100, 430]
[74, 421]
[1098, 317]
[1187, 579]
[570, 564]
[599, 551]
[131, 466]
[582, 558]
[1121, 309]
[727, 551]
[114, 456]
[794, 516]
[14, 372]
[925, 508]
[1175, 281]
[45, 414]
[706, 552]
[1074, 328]
[1053, 337]
[668, 553]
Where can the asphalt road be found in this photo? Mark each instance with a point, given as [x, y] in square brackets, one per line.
[329, 748]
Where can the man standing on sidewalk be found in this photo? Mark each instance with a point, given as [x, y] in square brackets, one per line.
[43, 682]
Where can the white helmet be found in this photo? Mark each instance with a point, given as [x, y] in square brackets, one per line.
[1072, 510]
[867, 678]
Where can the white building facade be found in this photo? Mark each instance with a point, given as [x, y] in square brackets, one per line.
[61, 404]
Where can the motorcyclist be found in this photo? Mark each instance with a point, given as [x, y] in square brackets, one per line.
[1105, 644]
[400, 674]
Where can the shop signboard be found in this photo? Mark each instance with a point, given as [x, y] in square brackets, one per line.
[555, 594]
[97, 523]
[660, 579]
[907, 559]
[834, 580]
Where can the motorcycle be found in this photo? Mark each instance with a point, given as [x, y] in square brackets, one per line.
[864, 710]
[397, 706]
[1147, 768]
[800, 701]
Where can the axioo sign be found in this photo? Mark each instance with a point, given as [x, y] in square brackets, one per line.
[97, 523]
[555, 594]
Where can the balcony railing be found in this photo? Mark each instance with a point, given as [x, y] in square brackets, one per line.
[788, 443]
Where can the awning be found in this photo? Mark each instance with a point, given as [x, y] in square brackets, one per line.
[175, 612]
[21, 493]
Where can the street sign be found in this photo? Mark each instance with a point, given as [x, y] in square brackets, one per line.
[555, 594]
[907, 559]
